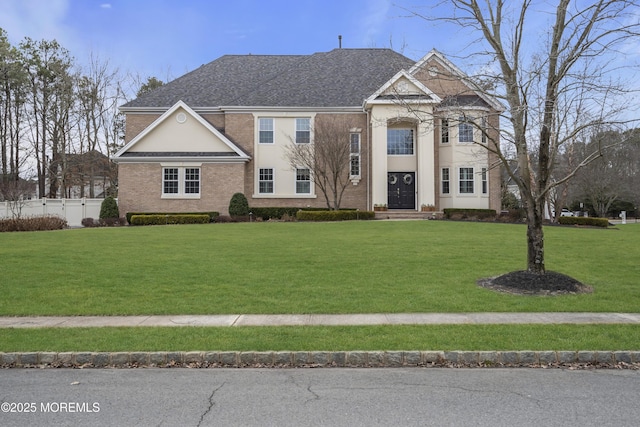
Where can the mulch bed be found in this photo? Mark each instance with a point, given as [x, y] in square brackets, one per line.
[526, 283]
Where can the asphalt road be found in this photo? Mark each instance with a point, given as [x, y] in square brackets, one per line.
[319, 397]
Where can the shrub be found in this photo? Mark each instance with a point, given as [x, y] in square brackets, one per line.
[512, 215]
[111, 222]
[238, 206]
[581, 220]
[273, 212]
[89, 222]
[326, 215]
[169, 219]
[212, 215]
[470, 214]
[109, 208]
[280, 212]
[35, 223]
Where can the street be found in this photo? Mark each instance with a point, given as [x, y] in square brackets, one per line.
[314, 397]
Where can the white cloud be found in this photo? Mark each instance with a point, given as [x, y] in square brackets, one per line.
[374, 20]
[35, 19]
[105, 5]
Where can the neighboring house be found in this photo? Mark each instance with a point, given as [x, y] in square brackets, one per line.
[14, 190]
[415, 134]
[89, 174]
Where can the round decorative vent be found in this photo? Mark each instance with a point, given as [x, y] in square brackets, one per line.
[433, 71]
[181, 117]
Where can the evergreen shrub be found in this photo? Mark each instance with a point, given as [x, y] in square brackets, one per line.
[326, 215]
[109, 208]
[212, 215]
[581, 220]
[238, 206]
[169, 219]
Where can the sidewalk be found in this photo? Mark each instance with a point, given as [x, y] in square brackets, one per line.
[232, 320]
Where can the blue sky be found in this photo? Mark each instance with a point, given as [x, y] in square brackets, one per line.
[168, 38]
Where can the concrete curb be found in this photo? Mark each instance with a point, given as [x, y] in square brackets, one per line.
[301, 359]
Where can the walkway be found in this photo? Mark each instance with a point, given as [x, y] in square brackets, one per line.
[320, 319]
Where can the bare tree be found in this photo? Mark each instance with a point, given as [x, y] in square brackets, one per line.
[554, 88]
[612, 177]
[327, 156]
[48, 66]
[12, 99]
[16, 192]
[97, 101]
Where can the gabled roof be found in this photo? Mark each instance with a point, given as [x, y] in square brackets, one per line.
[425, 94]
[463, 77]
[339, 78]
[233, 154]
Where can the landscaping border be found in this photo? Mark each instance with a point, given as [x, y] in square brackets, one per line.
[317, 359]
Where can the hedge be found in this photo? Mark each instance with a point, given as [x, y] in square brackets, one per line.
[278, 212]
[472, 214]
[212, 215]
[273, 212]
[325, 215]
[170, 219]
[581, 220]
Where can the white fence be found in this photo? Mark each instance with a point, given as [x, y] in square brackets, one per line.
[73, 210]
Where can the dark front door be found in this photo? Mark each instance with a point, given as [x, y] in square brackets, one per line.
[401, 190]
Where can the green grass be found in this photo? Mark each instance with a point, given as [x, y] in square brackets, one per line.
[346, 267]
[317, 338]
[349, 267]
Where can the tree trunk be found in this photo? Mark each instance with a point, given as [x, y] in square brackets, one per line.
[535, 240]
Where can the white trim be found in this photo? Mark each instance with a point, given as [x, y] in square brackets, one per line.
[284, 196]
[187, 159]
[435, 99]
[462, 76]
[181, 194]
[272, 130]
[296, 181]
[272, 180]
[459, 181]
[180, 104]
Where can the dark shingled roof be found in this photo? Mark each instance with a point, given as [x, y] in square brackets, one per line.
[339, 78]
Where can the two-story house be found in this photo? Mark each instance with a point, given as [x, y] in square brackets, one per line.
[419, 134]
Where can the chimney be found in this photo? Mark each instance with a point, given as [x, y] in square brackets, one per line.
[339, 41]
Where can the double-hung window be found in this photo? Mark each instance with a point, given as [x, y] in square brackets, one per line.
[400, 141]
[265, 128]
[446, 181]
[303, 131]
[303, 181]
[265, 181]
[170, 182]
[444, 131]
[465, 130]
[181, 182]
[466, 181]
[192, 180]
[354, 155]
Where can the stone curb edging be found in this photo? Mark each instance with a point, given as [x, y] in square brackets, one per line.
[300, 359]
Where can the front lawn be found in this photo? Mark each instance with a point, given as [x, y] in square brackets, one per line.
[345, 267]
[326, 338]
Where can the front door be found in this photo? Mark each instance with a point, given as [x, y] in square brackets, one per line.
[401, 192]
